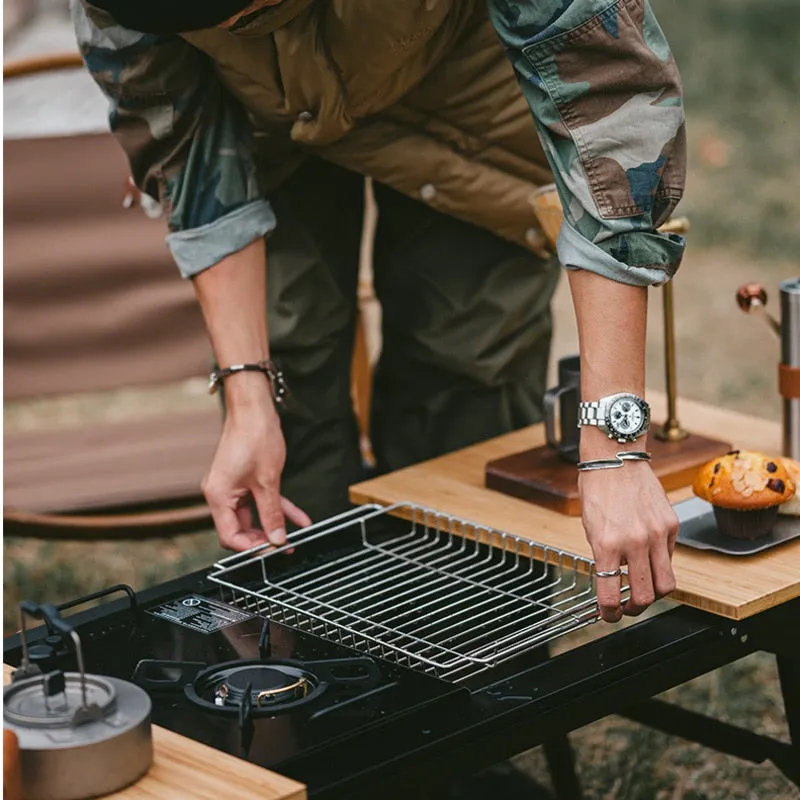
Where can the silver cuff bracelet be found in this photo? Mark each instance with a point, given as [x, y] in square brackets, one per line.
[614, 463]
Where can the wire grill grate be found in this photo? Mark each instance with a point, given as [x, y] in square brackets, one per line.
[434, 593]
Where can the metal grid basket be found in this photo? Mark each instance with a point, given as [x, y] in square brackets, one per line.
[428, 591]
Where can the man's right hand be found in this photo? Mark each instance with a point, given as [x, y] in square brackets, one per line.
[247, 467]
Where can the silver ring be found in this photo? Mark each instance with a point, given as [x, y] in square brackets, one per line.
[608, 573]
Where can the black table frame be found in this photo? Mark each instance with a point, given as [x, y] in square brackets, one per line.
[620, 674]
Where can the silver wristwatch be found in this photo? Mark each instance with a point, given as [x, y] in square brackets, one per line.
[624, 416]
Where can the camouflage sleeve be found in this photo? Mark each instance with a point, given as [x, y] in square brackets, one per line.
[187, 140]
[606, 97]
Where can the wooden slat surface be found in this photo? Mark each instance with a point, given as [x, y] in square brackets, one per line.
[187, 770]
[734, 587]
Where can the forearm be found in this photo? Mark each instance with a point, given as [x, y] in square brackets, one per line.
[232, 296]
[626, 514]
[612, 321]
[246, 471]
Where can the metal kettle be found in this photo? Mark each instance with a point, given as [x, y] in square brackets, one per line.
[79, 735]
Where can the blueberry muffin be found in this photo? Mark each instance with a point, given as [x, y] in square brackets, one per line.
[746, 490]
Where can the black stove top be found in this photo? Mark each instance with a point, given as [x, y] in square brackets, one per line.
[266, 704]
[254, 688]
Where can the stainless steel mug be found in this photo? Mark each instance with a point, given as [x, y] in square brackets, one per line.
[790, 360]
[561, 409]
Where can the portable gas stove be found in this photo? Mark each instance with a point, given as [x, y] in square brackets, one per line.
[314, 663]
[374, 654]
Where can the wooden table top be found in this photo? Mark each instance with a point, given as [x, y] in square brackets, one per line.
[734, 587]
[187, 770]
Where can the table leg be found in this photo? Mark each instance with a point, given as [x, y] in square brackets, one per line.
[789, 672]
[561, 763]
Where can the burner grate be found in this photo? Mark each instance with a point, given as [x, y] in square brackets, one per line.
[442, 594]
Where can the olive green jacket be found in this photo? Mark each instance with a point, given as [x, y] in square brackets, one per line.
[419, 95]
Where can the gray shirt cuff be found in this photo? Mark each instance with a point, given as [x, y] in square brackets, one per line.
[577, 252]
[197, 249]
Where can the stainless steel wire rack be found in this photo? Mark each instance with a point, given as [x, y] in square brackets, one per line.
[414, 586]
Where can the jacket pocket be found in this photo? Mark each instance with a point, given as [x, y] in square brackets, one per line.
[617, 95]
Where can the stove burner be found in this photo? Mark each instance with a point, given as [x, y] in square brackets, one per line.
[273, 687]
[261, 687]
[270, 684]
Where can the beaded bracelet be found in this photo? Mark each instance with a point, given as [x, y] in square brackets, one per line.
[275, 377]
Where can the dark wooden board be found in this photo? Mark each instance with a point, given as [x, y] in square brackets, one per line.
[541, 477]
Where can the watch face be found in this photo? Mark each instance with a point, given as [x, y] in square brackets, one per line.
[626, 416]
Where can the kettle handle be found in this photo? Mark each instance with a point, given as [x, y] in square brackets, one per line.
[52, 618]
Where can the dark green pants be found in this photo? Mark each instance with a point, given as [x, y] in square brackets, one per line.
[466, 331]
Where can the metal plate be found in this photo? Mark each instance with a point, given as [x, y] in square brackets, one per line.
[699, 530]
[201, 614]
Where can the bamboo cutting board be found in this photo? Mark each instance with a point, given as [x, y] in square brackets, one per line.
[187, 770]
[734, 587]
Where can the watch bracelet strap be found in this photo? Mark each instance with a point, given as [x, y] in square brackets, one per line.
[614, 463]
[588, 414]
[277, 382]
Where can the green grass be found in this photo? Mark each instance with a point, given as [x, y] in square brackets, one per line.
[55, 571]
[741, 79]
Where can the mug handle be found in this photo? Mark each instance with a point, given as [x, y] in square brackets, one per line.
[551, 398]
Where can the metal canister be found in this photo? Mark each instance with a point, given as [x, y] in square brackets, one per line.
[790, 362]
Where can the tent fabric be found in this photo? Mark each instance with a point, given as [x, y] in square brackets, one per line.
[93, 302]
[110, 465]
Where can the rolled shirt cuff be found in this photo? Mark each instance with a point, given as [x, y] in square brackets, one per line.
[638, 258]
[197, 249]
